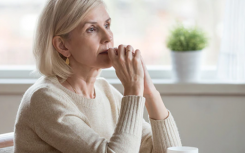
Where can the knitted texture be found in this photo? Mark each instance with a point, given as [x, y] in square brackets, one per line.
[53, 119]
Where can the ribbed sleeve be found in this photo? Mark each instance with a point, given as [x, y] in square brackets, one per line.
[128, 131]
[165, 134]
[130, 119]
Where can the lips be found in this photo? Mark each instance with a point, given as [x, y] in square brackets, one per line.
[104, 52]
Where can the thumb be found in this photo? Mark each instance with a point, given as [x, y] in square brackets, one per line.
[142, 62]
[144, 67]
[111, 54]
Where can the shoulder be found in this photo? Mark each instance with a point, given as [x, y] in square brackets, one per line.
[46, 93]
[44, 90]
[102, 83]
[46, 102]
[39, 84]
[40, 98]
[101, 80]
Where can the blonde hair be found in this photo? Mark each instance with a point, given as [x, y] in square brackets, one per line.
[58, 18]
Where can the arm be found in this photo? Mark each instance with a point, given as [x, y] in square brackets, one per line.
[59, 123]
[159, 135]
[162, 131]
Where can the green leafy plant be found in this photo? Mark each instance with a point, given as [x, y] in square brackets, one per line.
[186, 39]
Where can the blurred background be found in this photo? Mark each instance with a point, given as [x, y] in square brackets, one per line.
[209, 114]
[144, 24]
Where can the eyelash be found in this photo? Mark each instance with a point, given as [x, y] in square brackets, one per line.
[93, 28]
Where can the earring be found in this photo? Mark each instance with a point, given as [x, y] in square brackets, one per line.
[67, 61]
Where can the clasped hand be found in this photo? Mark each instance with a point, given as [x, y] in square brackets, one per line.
[131, 70]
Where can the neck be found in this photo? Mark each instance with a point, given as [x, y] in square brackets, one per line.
[82, 86]
[82, 79]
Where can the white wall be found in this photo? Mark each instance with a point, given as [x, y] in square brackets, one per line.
[214, 124]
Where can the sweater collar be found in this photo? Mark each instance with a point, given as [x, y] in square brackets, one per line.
[74, 95]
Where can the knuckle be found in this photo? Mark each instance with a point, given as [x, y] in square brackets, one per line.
[121, 60]
[129, 59]
[128, 52]
[121, 45]
[136, 60]
[137, 54]
[138, 51]
[110, 49]
[129, 47]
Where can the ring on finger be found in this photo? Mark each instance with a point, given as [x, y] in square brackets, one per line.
[128, 50]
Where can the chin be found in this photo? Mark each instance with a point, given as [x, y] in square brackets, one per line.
[105, 66]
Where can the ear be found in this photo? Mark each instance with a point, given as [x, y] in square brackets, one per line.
[59, 44]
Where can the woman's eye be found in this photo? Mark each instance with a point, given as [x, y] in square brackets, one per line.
[107, 25]
[90, 29]
[93, 29]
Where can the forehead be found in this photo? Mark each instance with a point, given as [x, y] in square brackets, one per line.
[97, 14]
[97, 11]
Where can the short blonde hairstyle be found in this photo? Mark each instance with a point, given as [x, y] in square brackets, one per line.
[58, 18]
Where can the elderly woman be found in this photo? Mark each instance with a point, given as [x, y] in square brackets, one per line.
[72, 110]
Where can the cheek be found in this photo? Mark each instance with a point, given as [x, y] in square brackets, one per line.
[86, 45]
[112, 42]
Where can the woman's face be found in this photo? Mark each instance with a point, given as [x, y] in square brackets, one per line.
[91, 37]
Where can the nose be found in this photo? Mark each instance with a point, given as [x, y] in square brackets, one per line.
[107, 36]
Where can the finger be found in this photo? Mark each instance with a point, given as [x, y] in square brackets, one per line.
[144, 67]
[116, 51]
[143, 63]
[134, 52]
[111, 54]
[137, 62]
[129, 58]
[121, 51]
[129, 47]
[129, 51]
[137, 54]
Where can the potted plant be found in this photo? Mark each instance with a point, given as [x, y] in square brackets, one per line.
[186, 45]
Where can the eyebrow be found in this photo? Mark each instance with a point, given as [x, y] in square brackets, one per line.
[94, 22]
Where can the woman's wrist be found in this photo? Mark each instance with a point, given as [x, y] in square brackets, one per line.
[133, 92]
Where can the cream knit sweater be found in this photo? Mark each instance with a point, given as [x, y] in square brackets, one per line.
[53, 119]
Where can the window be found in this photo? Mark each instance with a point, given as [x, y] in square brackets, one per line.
[18, 23]
[144, 24]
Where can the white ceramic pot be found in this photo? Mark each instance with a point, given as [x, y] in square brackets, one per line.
[186, 66]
